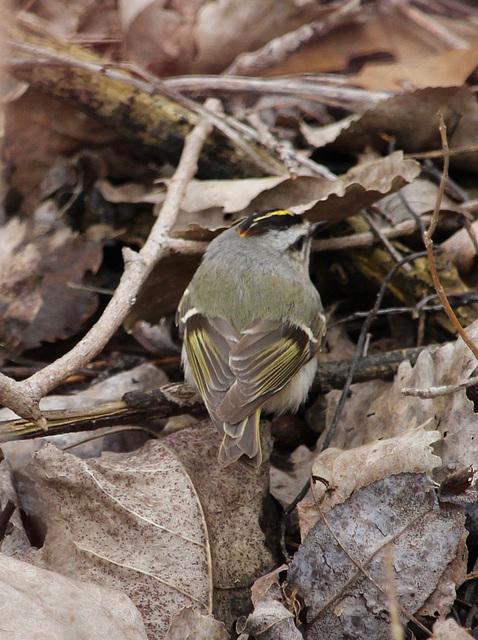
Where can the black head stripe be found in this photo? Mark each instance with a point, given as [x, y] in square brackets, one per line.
[266, 220]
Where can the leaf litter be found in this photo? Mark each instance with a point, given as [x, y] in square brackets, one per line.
[183, 538]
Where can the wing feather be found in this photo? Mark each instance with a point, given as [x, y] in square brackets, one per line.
[207, 351]
[266, 358]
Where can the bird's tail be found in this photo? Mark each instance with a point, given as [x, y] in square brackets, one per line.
[240, 439]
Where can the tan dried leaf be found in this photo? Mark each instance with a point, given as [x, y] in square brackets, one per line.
[392, 413]
[242, 519]
[270, 620]
[411, 120]
[39, 604]
[37, 266]
[345, 472]
[128, 521]
[460, 249]
[318, 198]
[449, 630]
[189, 624]
[442, 69]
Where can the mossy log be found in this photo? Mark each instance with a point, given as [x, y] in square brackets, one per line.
[155, 123]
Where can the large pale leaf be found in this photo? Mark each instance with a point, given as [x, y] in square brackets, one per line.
[128, 521]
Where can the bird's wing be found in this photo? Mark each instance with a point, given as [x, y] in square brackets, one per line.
[266, 358]
[208, 343]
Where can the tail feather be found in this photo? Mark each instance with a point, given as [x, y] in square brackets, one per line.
[247, 441]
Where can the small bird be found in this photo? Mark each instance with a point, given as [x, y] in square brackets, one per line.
[252, 322]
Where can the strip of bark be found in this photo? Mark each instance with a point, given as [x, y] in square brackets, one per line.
[138, 407]
[137, 109]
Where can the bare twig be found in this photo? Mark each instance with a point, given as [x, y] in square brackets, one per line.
[434, 392]
[440, 33]
[313, 88]
[150, 85]
[281, 48]
[396, 629]
[360, 345]
[438, 153]
[366, 239]
[384, 240]
[427, 239]
[23, 397]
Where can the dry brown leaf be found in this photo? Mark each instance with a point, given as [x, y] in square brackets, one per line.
[449, 630]
[352, 429]
[39, 604]
[318, 198]
[160, 35]
[127, 521]
[196, 36]
[401, 511]
[40, 130]
[439, 603]
[391, 413]
[97, 18]
[270, 620]
[37, 264]
[189, 624]
[340, 473]
[460, 250]
[442, 69]
[419, 196]
[347, 471]
[15, 540]
[241, 517]
[380, 37]
[411, 119]
[364, 185]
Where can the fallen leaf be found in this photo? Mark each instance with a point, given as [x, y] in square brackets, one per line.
[15, 540]
[460, 250]
[132, 522]
[242, 519]
[38, 604]
[411, 120]
[440, 602]
[449, 630]
[441, 69]
[342, 473]
[391, 413]
[189, 624]
[37, 265]
[270, 620]
[401, 511]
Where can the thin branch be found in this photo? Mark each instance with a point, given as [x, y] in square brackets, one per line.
[438, 153]
[366, 239]
[312, 87]
[150, 85]
[280, 49]
[427, 239]
[434, 392]
[360, 345]
[431, 26]
[396, 255]
[23, 397]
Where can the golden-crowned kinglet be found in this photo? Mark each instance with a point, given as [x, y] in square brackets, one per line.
[252, 323]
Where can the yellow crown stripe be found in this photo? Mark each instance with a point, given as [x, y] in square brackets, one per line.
[276, 212]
